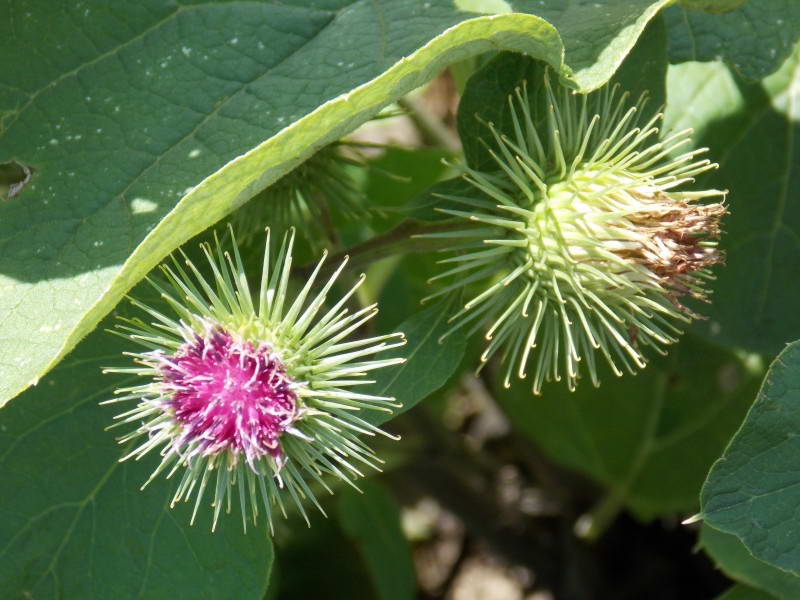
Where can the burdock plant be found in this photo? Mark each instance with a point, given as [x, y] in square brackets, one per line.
[252, 395]
[582, 239]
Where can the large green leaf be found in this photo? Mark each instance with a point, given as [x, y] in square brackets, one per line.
[751, 131]
[649, 438]
[753, 490]
[371, 518]
[732, 557]
[73, 523]
[428, 365]
[318, 562]
[713, 6]
[754, 39]
[597, 36]
[485, 99]
[146, 122]
[744, 592]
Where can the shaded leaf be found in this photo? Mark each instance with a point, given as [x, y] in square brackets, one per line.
[318, 562]
[651, 437]
[424, 207]
[733, 558]
[753, 490]
[428, 365]
[404, 290]
[401, 174]
[372, 520]
[745, 592]
[753, 39]
[397, 179]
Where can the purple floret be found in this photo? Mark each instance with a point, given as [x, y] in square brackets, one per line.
[229, 394]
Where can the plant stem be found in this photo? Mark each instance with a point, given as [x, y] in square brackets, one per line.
[433, 131]
[397, 241]
[592, 525]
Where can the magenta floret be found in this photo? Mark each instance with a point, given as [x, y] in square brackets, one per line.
[229, 394]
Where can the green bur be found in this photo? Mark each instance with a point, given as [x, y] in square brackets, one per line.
[580, 238]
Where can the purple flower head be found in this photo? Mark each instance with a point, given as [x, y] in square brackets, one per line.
[229, 394]
[230, 369]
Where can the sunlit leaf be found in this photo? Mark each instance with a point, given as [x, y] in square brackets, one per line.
[753, 490]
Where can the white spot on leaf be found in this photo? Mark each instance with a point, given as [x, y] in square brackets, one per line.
[485, 7]
[142, 206]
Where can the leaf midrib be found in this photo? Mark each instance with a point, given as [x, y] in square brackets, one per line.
[777, 223]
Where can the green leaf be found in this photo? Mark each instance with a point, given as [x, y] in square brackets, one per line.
[597, 36]
[702, 96]
[395, 182]
[428, 365]
[318, 562]
[651, 437]
[485, 99]
[754, 39]
[744, 592]
[403, 292]
[401, 174]
[733, 558]
[751, 130]
[73, 522]
[713, 6]
[147, 122]
[372, 520]
[752, 491]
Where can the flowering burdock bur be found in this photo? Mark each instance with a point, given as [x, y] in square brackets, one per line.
[584, 245]
[252, 396]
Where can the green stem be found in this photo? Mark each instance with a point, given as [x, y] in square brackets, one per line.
[399, 240]
[593, 524]
[433, 131]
